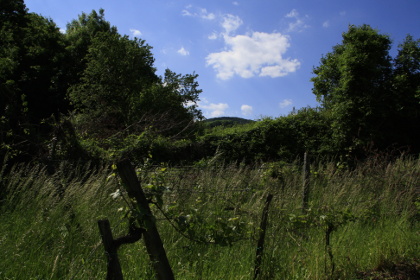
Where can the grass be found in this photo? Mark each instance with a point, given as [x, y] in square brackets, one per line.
[48, 226]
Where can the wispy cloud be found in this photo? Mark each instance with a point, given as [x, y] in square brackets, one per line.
[213, 109]
[231, 23]
[298, 24]
[213, 36]
[198, 12]
[246, 110]
[285, 103]
[135, 32]
[182, 51]
[326, 24]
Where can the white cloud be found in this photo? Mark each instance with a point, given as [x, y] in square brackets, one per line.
[182, 51]
[326, 24]
[293, 14]
[206, 15]
[135, 32]
[285, 103]
[231, 23]
[213, 109]
[258, 54]
[298, 24]
[246, 110]
[236, 3]
[202, 13]
[213, 36]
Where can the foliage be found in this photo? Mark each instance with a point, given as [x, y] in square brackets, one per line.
[101, 81]
[354, 83]
[118, 93]
[224, 122]
[208, 219]
[406, 84]
[283, 138]
[117, 71]
[30, 70]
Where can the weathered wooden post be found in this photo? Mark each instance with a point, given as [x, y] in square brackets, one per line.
[146, 219]
[113, 268]
[305, 180]
[111, 245]
[260, 245]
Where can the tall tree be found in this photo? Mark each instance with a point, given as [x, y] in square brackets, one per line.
[30, 68]
[406, 86]
[79, 34]
[353, 83]
[117, 89]
[13, 20]
[117, 71]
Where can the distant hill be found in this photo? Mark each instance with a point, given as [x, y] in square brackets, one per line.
[225, 122]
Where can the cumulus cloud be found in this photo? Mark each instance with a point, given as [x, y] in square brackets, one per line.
[285, 103]
[298, 23]
[246, 110]
[257, 54]
[198, 12]
[213, 109]
[182, 51]
[135, 32]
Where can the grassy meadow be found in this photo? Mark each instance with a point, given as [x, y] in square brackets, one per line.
[358, 220]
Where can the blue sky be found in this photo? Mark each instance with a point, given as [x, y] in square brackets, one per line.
[254, 58]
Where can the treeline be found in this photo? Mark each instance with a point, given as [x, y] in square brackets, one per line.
[93, 93]
[68, 94]
[370, 103]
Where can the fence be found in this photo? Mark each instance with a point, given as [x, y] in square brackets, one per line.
[150, 234]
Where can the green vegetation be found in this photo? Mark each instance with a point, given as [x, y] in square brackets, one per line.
[49, 227]
[225, 122]
[103, 86]
[72, 105]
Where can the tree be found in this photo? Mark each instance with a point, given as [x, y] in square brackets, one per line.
[79, 35]
[353, 83]
[30, 69]
[117, 91]
[406, 85]
[117, 71]
[12, 23]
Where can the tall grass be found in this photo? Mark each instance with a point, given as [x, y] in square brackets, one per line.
[209, 220]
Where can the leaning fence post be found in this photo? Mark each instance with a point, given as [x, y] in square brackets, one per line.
[260, 245]
[114, 267]
[151, 235]
[305, 181]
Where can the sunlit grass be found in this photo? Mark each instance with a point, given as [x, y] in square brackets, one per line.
[48, 226]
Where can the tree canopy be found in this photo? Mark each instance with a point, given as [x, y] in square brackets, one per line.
[105, 81]
[356, 83]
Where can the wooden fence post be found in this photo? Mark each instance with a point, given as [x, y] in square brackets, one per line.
[151, 235]
[305, 182]
[260, 245]
[114, 268]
